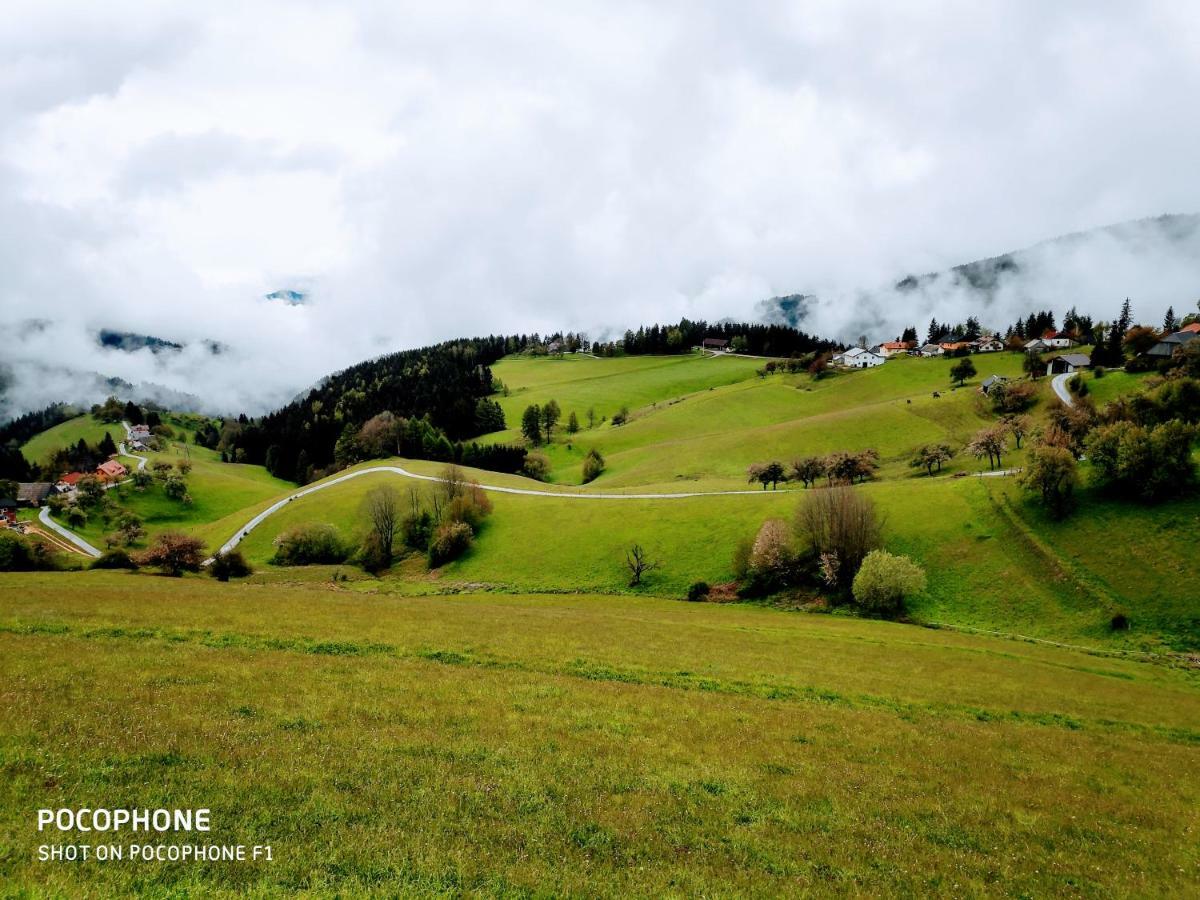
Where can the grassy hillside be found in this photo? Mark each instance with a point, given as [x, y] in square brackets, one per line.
[710, 436]
[566, 745]
[41, 446]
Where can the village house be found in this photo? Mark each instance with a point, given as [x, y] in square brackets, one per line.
[954, 346]
[990, 382]
[1166, 347]
[1056, 340]
[714, 344]
[8, 511]
[1037, 345]
[990, 344]
[139, 433]
[111, 471]
[891, 348]
[1069, 362]
[931, 350]
[858, 358]
[33, 493]
[68, 482]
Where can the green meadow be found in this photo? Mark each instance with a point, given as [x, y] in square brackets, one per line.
[523, 745]
[86, 427]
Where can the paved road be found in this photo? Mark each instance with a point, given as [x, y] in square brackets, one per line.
[1059, 383]
[44, 518]
[525, 492]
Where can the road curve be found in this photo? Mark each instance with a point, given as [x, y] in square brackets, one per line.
[1059, 383]
[525, 492]
[44, 518]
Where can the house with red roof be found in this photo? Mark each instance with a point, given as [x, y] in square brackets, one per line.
[1056, 339]
[69, 482]
[111, 470]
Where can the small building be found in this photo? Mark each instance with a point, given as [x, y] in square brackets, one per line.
[111, 471]
[714, 344]
[8, 511]
[988, 345]
[891, 348]
[1166, 347]
[990, 382]
[68, 482]
[139, 433]
[1037, 345]
[931, 350]
[1056, 340]
[858, 358]
[1069, 362]
[33, 493]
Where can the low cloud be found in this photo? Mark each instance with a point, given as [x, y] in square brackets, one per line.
[424, 174]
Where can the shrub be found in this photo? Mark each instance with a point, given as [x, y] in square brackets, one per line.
[230, 564]
[15, 555]
[1013, 397]
[884, 581]
[1098, 372]
[372, 556]
[593, 465]
[698, 591]
[307, 545]
[114, 559]
[416, 530]
[174, 553]
[537, 466]
[1119, 622]
[449, 542]
[471, 506]
[840, 524]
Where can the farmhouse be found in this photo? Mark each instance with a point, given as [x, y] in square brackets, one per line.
[990, 382]
[33, 493]
[139, 433]
[111, 470]
[8, 511]
[1069, 362]
[987, 345]
[714, 344]
[67, 483]
[1037, 345]
[890, 348]
[858, 358]
[1166, 347]
[1056, 340]
[931, 350]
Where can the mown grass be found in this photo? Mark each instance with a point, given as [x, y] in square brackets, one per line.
[534, 745]
[41, 447]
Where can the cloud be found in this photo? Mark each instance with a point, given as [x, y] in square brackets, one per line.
[429, 172]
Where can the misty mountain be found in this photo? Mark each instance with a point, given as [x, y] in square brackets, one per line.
[131, 342]
[1155, 262]
[289, 296]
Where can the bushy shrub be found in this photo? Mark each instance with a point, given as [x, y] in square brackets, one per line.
[1013, 396]
[114, 559]
[593, 465]
[698, 591]
[15, 555]
[537, 466]
[450, 541]
[884, 581]
[416, 530]
[230, 564]
[174, 553]
[307, 545]
[471, 506]
[372, 555]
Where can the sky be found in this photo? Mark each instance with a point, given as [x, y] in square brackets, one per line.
[427, 171]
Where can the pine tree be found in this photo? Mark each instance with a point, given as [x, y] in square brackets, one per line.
[934, 331]
[1170, 323]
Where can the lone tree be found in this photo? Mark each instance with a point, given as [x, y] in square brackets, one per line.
[1050, 472]
[550, 416]
[808, 470]
[991, 442]
[962, 370]
[383, 509]
[840, 525]
[931, 455]
[174, 553]
[1018, 426]
[531, 424]
[572, 423]
[638, 562]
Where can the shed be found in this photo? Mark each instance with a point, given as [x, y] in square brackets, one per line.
[1069, 362]
[33, 493]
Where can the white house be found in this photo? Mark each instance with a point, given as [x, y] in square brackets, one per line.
[1056, 340]
[988, 345]
[932, 350]
[858, 358]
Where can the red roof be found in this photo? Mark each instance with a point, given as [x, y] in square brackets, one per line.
[112, 469]
[1194, 328]
[895, 345]
[71, 478]
[1049, 334]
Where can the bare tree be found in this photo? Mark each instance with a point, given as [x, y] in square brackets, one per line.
[452, 483]
[840, 523]
[383, 509]
[638, 562]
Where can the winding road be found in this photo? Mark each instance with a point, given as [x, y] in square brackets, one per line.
[44, 518]
[1059, 383]
[245, 530]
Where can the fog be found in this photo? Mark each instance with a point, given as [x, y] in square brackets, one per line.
[423, 173]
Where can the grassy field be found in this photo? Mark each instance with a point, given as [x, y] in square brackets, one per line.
[541, 745]
[40, 447]
[711, 435]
